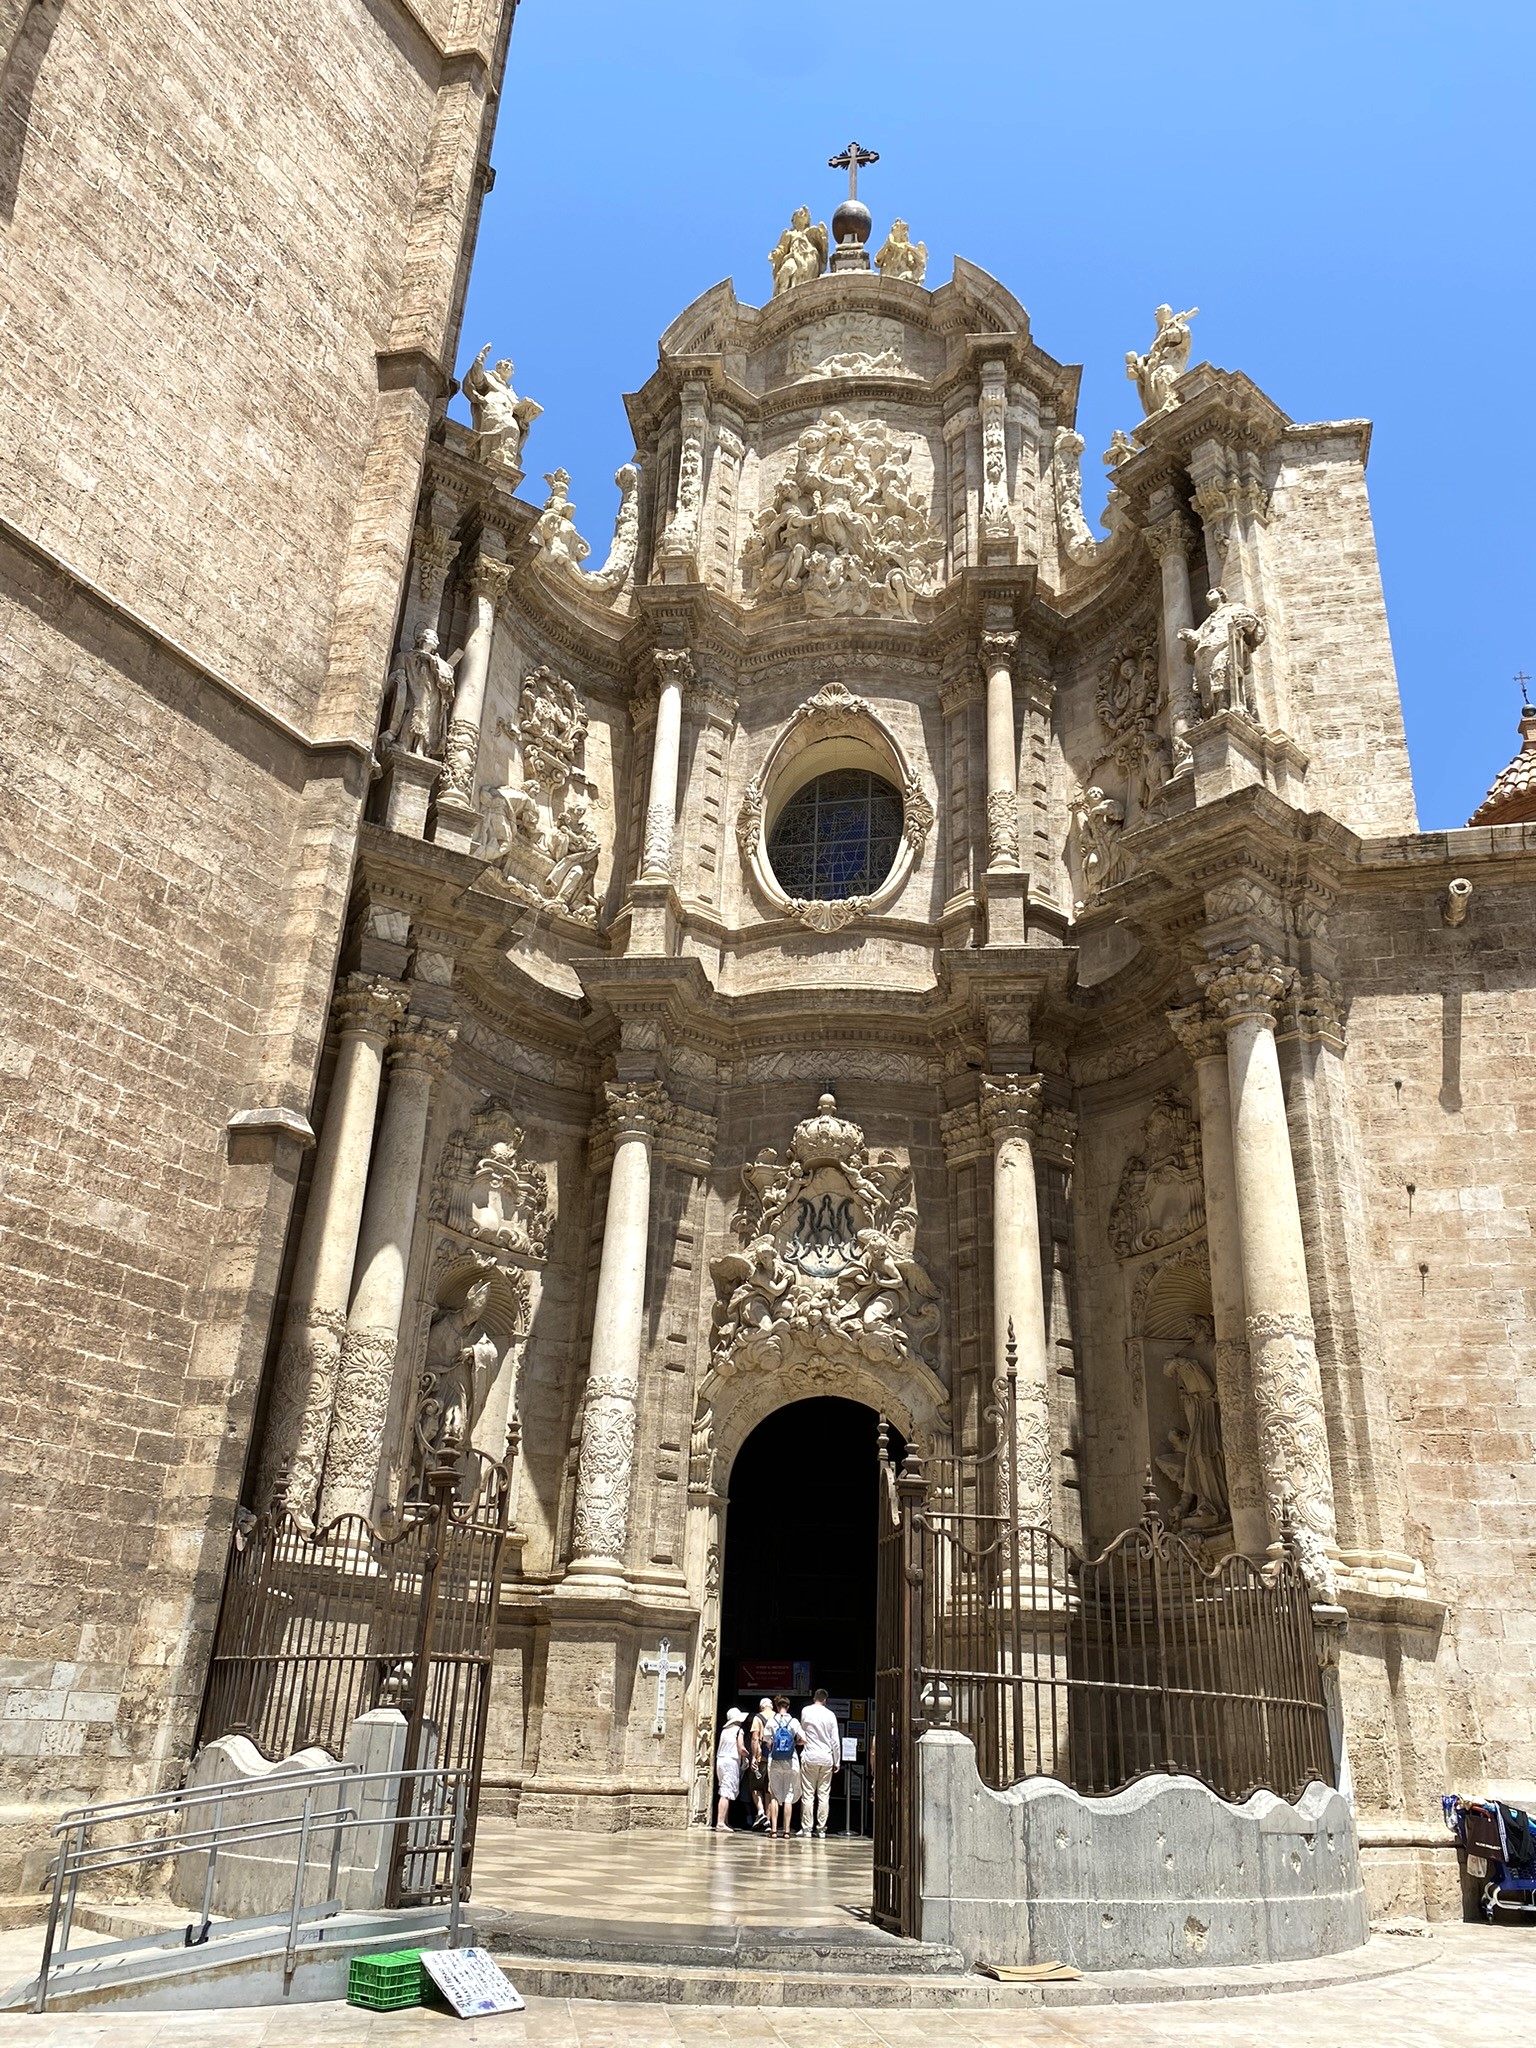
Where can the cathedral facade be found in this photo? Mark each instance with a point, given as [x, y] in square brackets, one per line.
[866, 928]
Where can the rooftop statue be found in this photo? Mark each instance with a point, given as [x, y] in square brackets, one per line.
[801, 253]
[1165, 362]
[501, 418]
[554, 531]
[899, 256]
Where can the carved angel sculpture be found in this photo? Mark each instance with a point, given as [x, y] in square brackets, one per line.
[899, 256]
[501, 418]
[1220, 648]
[1165, 362]
[801, 252]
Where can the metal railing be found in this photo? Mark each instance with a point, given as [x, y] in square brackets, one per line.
[196, 1823]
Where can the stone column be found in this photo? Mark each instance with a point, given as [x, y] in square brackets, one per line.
[418, 1054]
[1242, 989]
[1168, 537]
[674, 673]
[1002, 752]
[605, 1466]
[1203, 1038]
[458, 809]
[1010, 1110]
[304, 1387]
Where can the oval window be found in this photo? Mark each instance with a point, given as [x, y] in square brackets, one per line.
[837, 836]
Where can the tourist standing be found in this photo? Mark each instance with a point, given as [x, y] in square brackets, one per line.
[819, 1763]
[786, 1739]
[730, 1755]
[757, 1770]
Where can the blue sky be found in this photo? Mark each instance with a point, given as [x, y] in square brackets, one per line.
[1344, 191]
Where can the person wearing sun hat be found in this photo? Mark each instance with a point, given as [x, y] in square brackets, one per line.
[730, 1755]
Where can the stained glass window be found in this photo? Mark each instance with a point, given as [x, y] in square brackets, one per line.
[837, 837]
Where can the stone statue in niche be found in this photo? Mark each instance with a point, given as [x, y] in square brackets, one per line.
[899, 256]
[421, 695]
[800, 253]
[826, 1264]
[1097, 820]
[456, 1376]
[487, 1191]
[1161, 1196]
[1193, 1460]
[1165, 362]
[554, 531]
[846, 526]
[501, 419]
[1221, 650]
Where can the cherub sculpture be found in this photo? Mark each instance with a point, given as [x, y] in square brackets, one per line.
[801, 252]
[899, 256]
[1165, 362]
[501, 419]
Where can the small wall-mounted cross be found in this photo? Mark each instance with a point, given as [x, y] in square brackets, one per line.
[662, 1666]
[853, 160]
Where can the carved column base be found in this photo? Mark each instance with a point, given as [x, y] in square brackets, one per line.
[364, 1382]
[604, 1475]
[303, 1396]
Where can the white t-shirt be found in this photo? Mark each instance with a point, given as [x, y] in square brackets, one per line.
[726, 1749]
[823, 1741]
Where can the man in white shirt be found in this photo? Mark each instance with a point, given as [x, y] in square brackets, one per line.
[819, 1762]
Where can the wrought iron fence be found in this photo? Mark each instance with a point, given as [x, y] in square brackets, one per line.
[318, 1627]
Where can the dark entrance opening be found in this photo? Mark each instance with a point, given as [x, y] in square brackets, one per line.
[797, 1604]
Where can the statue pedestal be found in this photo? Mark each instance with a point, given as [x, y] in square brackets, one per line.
[849, 255]
[408, 781]
[458, 825]
[1231, 751]
[1005, 893]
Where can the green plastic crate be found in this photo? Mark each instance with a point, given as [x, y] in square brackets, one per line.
[386, 1983]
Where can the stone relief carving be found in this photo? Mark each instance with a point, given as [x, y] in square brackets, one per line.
[826, 1264]
[1129, 699]
[1221, 649]
[1097, 821]
[500, 418]
[1293, 1444]
[1161, 1196]
[996, 512]
[680, 539]
[1077, 537]
[847, 527]
[855, 1063]
[421, 696]
[604, 1465]
[800, 252]
[1165, 362]
[536, 825]
[899, 256]
[1193, 1459]
[485, 1188]
[848, 345]
[554, 531]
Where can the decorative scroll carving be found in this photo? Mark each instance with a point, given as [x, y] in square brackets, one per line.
[619, 567]
[1097, 821]
[1165, 362]
[1247, 983]
[899, 256]
[701, 1453]
[604, 1465]
[1161, 1196]
[631, 1107]
[554, 531]
[500, 418]
[1002, 828]
[1194, 1460]
[1078, 542]
[800, 253]
[848, 345]
[1220, 649]
[1200, 1034]
[847, 527]
[354, 1450]
[486, 1191]
[1293, 1442]
[826, 1264]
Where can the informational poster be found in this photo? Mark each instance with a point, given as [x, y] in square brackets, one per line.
[842, 1708]
[855, 1710]
[771, 1677]
[471, 1980]
[850, 1750]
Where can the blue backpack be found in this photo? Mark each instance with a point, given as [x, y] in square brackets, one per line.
[783, 1745]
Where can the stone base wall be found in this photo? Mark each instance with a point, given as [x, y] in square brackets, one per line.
[1161, 1875]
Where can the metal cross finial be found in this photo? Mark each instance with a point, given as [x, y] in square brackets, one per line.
[1522, 679]
[852, 160]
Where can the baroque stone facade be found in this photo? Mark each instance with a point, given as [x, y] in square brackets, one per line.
[870, 923]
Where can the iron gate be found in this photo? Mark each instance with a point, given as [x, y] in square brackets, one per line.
[318, 1627]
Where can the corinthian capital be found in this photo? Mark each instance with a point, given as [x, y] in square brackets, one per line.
[1010, 1105]
[1170, 536]
[368, 1004]
[1198, 1031]
[1245, 984]
[423, 1045]
[636, 1108]
[997, 650]
[489, 578]
[674, 665]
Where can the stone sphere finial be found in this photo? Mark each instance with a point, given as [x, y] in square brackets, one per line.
[852, 222]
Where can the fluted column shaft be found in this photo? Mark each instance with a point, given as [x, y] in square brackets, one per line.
[1205, 1042]
[673, 670]
[304, 1388]
[1297, 1476]
[605, 1464]
[365, 1377]
[1002, 752]
[1010, 1108]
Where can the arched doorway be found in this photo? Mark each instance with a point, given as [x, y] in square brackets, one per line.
[797, 1605]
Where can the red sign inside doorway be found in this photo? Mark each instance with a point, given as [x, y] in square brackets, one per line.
[770, 1678]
